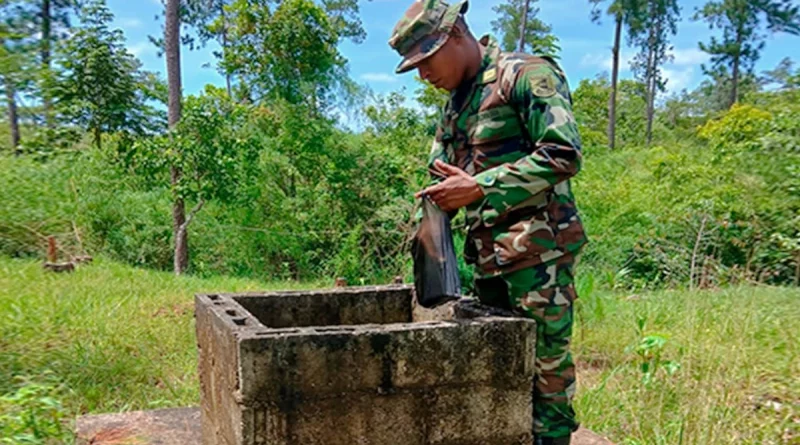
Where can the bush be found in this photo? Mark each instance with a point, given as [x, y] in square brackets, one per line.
[33, 414]
[325, 202]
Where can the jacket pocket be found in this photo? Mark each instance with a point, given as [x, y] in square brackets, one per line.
[526, 238]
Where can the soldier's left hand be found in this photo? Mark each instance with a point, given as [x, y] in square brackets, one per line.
[457, 190]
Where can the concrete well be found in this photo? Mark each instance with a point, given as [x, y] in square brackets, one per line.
[353, 366]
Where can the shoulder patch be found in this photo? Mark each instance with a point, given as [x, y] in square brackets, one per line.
[490, 75]
[543, 85]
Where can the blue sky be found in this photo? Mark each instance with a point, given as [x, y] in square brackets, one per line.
[585, 46]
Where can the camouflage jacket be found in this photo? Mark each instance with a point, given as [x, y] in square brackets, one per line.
[515, 133]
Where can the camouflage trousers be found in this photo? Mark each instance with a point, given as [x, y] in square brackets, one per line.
[544, 293]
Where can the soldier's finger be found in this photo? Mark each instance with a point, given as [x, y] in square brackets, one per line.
[447, 169]
[445, 204]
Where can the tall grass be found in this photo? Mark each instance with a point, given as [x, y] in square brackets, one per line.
[119, 338]
[721, 366]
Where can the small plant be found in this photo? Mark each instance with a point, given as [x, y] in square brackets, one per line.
[649, 350]
[33, 414]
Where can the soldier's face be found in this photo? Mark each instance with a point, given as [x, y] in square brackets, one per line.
[445, 68]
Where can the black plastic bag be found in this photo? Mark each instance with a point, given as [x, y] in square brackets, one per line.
[435, 267]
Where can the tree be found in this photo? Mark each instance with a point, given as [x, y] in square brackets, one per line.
[783, 75]
[431, 99]
[289, 53]
[213, 20]
[623, 11]
[518, 27]
[53, 19]
[214, 147]
[9, 66]
[651, 32]
[172, 44]
[15, 57]
[41, 24]
[741, 22]
[101, 86]
[590, 97]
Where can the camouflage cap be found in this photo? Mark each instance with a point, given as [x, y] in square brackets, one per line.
[424, 29]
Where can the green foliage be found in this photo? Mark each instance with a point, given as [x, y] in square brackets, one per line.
[741, 123]
[289, 195]
[100, 87]
[288, 52]
[590, 107]
[725, 207]
[33, 414]
[214, 146]
[591, 104]
[650, 351]
[508, 24]
[431, 98]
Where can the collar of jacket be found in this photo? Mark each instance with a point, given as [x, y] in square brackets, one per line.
[491, 55]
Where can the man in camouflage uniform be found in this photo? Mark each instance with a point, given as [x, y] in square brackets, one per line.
[505, 148]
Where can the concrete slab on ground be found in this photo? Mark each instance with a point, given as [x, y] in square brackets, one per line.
[181, 426]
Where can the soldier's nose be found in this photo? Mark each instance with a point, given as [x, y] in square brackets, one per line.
[423, 73]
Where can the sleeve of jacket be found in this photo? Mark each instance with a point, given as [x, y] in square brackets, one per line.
[437, 152]
[542, 96]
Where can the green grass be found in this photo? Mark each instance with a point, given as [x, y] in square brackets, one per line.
[119, 338]
[737, 353]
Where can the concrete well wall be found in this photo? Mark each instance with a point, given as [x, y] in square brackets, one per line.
[350, 366]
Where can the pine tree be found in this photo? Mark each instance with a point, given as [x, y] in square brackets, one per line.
[623, 12]
[651, 30]
[742, 23]
[512, 17]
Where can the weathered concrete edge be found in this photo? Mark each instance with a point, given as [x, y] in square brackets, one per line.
[181, 426]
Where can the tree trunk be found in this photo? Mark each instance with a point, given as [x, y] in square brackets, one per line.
[46, 40]
[183, 229]
[173, 54]
[225, 47]
[181, 236]
[612, 102]
[13, 119]
[651, 82]
[651, 111]
[735, 74]
[98, 135]
[735, 82]
[523, 26]
[797, 270]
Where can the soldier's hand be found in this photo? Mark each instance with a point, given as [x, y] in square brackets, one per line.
[457, 190]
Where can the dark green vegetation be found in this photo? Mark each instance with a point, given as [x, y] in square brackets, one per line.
[301, 199]
[697, 201]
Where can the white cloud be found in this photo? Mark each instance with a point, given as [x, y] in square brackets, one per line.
[130, 23]
[689, 56]
[604, 61]
[141, 48]
[379, 77]
[678, 79]
[682, 57]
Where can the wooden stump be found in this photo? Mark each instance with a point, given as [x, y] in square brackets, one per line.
[80, 259]
[60, 267]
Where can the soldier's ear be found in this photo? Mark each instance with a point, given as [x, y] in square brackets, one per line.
[457, 32]
[461, 26]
